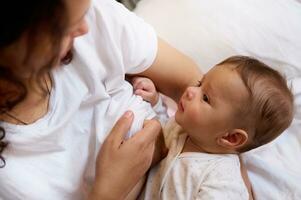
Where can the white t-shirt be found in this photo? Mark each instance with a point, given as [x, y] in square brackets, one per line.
[54, 158]
[193, 175]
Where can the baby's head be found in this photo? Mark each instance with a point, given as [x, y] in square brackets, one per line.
[240, 104]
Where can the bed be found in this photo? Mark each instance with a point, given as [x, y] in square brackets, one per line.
[270, 30]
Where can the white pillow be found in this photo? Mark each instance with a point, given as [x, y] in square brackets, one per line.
[212, 30]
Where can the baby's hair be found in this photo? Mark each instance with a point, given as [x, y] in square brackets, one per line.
[269, 109]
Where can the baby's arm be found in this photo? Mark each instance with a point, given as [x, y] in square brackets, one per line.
[145, 88]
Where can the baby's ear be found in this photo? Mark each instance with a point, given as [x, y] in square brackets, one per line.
[233, 139]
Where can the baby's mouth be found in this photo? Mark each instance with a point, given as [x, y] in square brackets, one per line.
[180, 106]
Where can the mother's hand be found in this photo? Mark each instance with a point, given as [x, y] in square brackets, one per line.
[121, 163]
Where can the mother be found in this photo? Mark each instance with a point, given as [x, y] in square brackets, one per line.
[55, 118]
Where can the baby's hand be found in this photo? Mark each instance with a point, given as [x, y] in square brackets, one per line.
[145, 88]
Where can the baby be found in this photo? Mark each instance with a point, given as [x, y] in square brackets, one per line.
[240, 104]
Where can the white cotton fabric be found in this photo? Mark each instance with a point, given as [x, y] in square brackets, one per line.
[161, 111]
[193, 175]
[210, 30]
[54, 158]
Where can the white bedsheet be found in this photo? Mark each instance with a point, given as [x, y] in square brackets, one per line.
[211, 30]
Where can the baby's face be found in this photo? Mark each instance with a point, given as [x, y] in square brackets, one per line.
[207, 110]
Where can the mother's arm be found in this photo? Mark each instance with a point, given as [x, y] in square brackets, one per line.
[172, 71]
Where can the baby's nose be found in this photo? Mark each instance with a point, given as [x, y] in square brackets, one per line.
[190, 93]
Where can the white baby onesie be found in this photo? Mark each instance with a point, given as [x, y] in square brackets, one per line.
[194, 175]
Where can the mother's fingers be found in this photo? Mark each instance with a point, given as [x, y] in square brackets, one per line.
[121, 128]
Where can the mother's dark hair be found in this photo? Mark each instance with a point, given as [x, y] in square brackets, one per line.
[36, 19]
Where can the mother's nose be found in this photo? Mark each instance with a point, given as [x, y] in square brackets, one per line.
[82, 29]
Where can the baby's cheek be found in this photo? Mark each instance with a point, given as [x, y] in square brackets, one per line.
[195, 117]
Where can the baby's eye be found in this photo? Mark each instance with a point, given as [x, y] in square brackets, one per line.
[205, 98]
